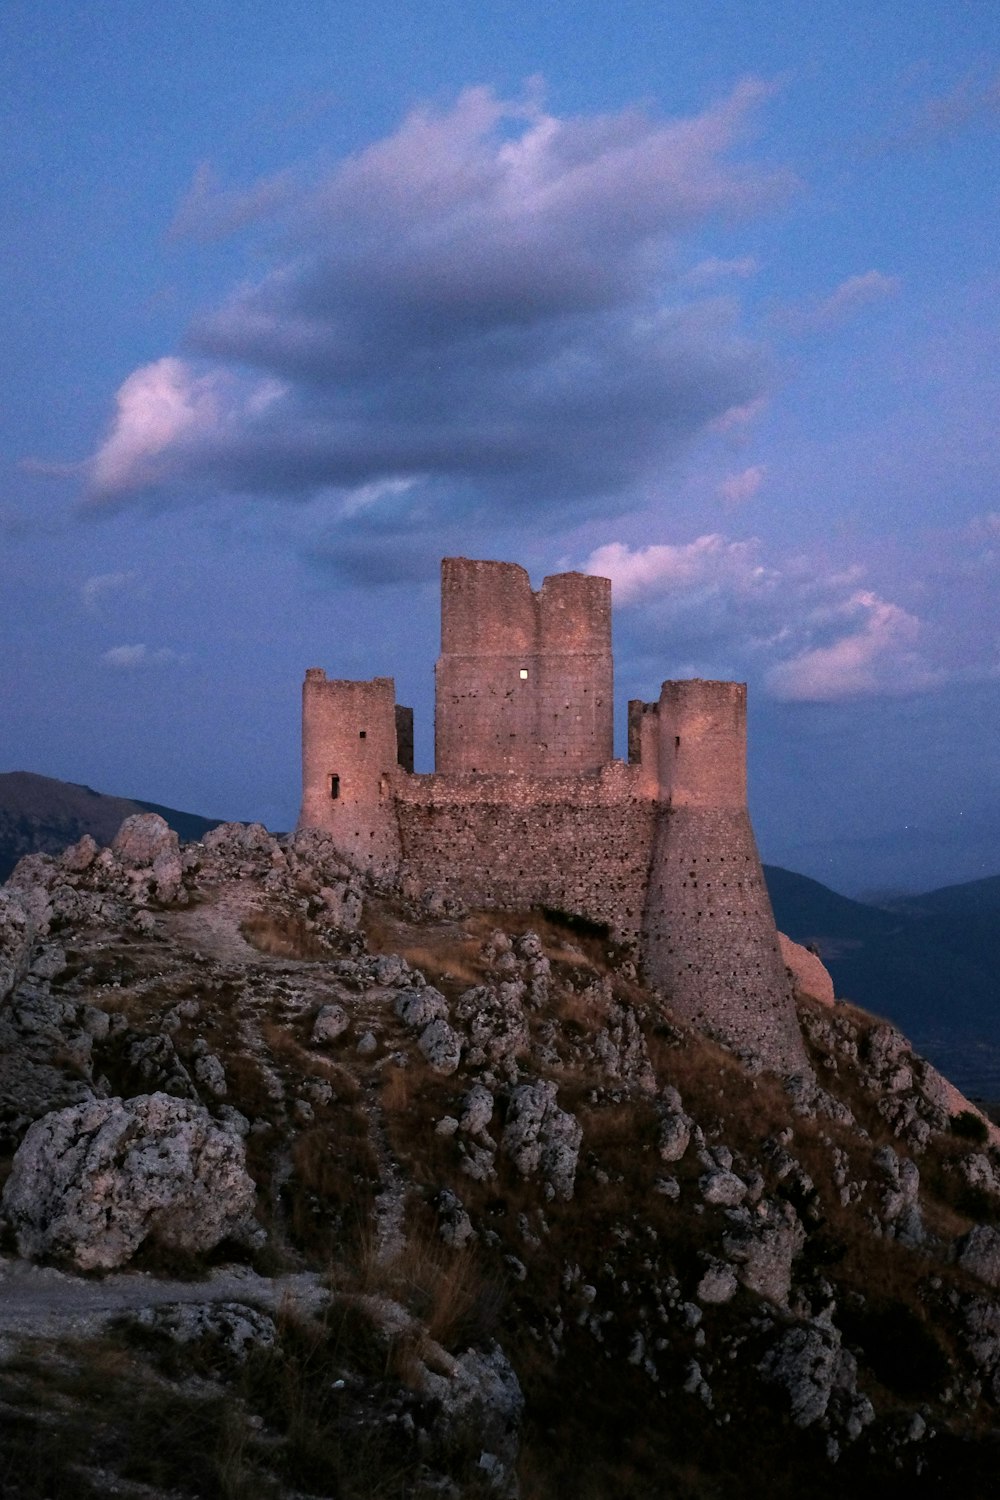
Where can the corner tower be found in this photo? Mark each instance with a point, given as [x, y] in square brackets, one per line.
[709, 939]
[524, 682]
[352, 735]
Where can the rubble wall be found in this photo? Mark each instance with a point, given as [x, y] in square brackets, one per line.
[578, 844]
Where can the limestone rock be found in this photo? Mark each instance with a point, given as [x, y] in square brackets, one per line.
[718, 1284]
[234, 1327]
[539, 1136]
[418, 1007]
[818, 1377]
[722, 1188]
[92, 1182]
[810, 976]
[441, 1045]
[497, 1024]
[674, 1135]
[331, 1022]
[15, 941]
[979, 1254]
[764, 1245]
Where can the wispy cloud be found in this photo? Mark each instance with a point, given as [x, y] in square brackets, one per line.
[102, 585]
[737, 489]
[479, 302]
[125, 658]
[846, 301]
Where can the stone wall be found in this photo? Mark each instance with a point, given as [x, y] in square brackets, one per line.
[524, 682]
[709, 941]
[578, 844]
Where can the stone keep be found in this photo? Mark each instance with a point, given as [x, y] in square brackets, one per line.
[527, 806]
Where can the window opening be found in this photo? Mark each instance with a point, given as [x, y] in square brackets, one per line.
[523, 674]
[334, 787]
[363, 735]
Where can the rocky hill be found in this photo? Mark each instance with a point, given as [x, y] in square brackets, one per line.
[41, 814]
[313, 1192]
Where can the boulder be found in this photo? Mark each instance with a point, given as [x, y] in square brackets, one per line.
[539, 1136]
[809, 973]
[90, 1183]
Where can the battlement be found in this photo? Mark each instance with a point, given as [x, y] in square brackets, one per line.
[527, 806]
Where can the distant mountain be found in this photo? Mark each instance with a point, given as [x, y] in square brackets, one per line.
[980, 898]
[40, 814]
[931, 964]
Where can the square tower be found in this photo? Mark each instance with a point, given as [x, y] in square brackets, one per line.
[524, 682]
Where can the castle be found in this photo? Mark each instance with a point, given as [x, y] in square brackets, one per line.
[527, 806]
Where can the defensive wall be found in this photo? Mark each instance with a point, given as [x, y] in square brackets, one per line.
[528, 807]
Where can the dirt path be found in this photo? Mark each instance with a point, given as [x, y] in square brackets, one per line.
[40, 1302]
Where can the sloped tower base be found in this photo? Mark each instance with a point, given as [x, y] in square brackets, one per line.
[709, 940]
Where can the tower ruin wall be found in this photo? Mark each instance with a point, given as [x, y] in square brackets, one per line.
[524, 681]
[349, 757]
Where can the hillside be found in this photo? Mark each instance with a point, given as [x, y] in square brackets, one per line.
[314, 1194]
[39, 814]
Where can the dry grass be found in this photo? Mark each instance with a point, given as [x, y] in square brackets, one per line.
[284, 936]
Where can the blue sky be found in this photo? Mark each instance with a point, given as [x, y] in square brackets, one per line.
[703, 297]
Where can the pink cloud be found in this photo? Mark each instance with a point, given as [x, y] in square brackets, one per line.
[877, 656]
[737, 489]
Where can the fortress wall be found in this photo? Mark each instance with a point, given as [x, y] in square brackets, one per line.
[576, 844]
[349, 757]
[709, 940]
[524, 681]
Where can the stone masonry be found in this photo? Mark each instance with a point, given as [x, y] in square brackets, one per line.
[527, 806]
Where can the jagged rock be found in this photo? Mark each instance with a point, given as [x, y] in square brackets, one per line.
[92, 1182]
[418, 1007]
[481, 1402]
[900, 1202]
[441, 1045]
[15, 942]
[815, 1372]
[497, 1024]
[764, 1245]
[674, 1134]
[454, 1224]
[722, 1188]
[208, 1070]
[146, 846]
[79, 856]
[477, 1110]
[979, 1254]
[156, 1061]
[718, 1284]
[980, 1173]
[232, 1326]
[539, 1135]
[331, 1022]
[621, 1048]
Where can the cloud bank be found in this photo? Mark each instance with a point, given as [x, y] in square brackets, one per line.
[490, 302]
[805, 635]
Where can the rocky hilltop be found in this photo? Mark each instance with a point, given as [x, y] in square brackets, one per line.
[313, 1191]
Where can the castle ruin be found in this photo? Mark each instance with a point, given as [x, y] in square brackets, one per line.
[527, 806]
